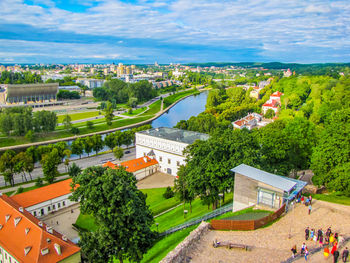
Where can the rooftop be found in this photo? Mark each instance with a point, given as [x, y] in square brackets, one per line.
[135, 164]
[28, 239]
[43, 194]
[280, 182]
[174, 134]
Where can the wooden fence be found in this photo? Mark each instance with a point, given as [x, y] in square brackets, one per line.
[246, 224]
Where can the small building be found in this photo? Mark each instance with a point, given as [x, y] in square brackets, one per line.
[140, 167]
[24, 238]
[166, 145]
[46, 199]
[273, 103]
[249, 122]
[256, 187]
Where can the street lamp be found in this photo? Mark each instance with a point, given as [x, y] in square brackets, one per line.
[221, 195]
[185, 213]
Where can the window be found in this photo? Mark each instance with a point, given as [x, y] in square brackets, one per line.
[169, 161]
[59, 205]
[53, 207]
[42, 211]
[160, 158]
[49, 208]
[178, 163]
[34, 213]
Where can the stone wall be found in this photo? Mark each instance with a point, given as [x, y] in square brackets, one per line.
[178, 255]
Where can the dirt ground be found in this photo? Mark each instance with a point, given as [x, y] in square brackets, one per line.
[273, 243]
[156, 180]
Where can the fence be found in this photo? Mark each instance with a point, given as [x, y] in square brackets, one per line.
[246, 224]
[194, 221]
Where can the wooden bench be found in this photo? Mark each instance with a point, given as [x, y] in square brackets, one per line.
[230, 245]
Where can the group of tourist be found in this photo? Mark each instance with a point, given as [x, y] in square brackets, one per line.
[328, 240]
[307, 201]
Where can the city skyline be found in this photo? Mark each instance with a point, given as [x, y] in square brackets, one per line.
[105, 31]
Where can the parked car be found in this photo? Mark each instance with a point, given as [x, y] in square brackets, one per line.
[126, 152]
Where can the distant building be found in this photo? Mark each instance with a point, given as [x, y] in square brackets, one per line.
[140, 167]
[24, 238]
[255, 93]
[28, 93]
[91, 83]
[70, 88]
[287, 73]
[249, 122]
[273, 103]
[46, 199]
[166, 145]
[256, 187]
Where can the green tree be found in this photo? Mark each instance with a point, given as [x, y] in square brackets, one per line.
[74, 170]
[182, 189]
[88, 144]
[78, 146]
[67, 122]
[50, 162]
[97, 143]
[110, 140]
[19, 160]
[89, 125]
[7, 166]
[30, 135]
[118, 152]
[108, 112]
[120, 212]
[270, 113]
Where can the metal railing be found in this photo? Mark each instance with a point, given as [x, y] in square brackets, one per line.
[222, 210]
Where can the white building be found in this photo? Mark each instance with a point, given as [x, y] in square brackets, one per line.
[91, 83]
[47, 199]
[249, 122]
[166, 145]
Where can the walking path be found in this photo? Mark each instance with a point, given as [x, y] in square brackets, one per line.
[273, 243]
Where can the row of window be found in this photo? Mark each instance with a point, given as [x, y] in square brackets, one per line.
[6, 255]
[160, 158]
[42, 210]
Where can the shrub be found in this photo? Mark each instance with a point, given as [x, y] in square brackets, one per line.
[74, 130]
[39, 182]
[89, 124]
[168, 193]
[20, 190]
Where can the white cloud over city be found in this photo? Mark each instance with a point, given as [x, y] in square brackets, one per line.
[176, 31]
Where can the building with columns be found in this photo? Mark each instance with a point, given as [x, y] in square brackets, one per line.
[166, 145]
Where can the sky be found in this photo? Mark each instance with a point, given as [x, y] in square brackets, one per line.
[174, 31]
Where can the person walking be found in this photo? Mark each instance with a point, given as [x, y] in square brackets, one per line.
[306, 253]
[345, 255]
[310, 207]
[319, 233]
[294, 251]
[335, 256]
[310, 199]
[307, 233]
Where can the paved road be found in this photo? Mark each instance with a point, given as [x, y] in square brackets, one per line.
[82, 163]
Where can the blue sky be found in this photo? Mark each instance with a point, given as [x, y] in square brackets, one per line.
[178, 31]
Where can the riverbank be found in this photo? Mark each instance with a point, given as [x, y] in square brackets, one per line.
[131, 123]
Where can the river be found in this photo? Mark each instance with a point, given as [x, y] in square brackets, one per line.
[183, 110]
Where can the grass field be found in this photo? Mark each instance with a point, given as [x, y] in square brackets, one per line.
[175, 97]
[153, 108]
[176, 216]
[333, 198]
[135, 112]
[163, 246]
[78, 116]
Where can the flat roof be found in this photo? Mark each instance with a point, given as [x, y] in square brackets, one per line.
[274, 180]
[174, 134]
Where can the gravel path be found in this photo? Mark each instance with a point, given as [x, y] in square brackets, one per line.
[273, 244]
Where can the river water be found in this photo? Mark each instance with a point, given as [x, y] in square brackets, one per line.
[183, 110]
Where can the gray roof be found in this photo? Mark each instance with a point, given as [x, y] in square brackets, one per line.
[174, 134]
[274, 180]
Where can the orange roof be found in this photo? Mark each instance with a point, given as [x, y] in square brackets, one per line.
[44, 193]
[25, 240]
[135, 164]
[276, 94]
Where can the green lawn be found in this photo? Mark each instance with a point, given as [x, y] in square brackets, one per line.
[86, 222]
[157, 202]
[135, 112]
[78, 116]
[176, 216]
[333, 198]
[163, 246]
[153, 108]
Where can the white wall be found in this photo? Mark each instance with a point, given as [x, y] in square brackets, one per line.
[142, 173]
[5, 256]
[169, 154]
[50, 205]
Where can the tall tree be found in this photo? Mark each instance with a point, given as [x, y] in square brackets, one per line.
[97, 143]
[67, 121]
[120, 211]
[109, 113]
[78, 146]
[50, 162]
[118, 152]
[7, 166]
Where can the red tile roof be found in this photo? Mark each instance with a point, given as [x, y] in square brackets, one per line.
[26, 239]
[135, 164]
[272, 104]
[276, 94]
[43, 194]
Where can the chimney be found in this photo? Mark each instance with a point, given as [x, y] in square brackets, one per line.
[57, 248]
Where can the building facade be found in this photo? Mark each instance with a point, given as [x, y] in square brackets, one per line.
[166, 145]
[256, 187]
[47, 199]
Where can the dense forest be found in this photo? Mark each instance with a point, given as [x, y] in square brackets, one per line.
[312, 132]
[118, 91]
[19, 78]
